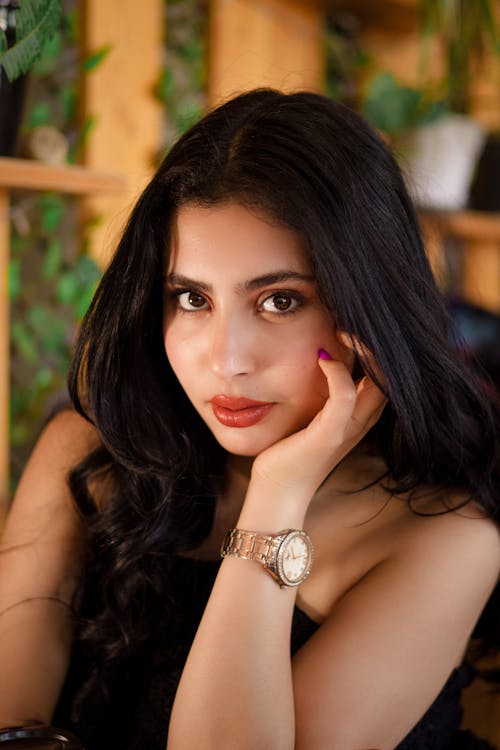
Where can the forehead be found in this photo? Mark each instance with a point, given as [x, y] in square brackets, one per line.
[231, 237]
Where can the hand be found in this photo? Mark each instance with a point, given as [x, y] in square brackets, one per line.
[302, 461]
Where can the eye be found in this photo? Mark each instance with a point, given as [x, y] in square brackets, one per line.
[281, 302]
[191, 301]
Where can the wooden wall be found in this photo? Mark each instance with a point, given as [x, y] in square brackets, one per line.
[255, 43]
[119, 94]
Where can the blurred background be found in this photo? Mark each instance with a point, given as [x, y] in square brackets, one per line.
[94, 92]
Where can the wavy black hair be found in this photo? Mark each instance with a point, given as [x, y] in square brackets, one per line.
[317, 167]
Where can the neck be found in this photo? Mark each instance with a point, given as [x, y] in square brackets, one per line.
[237, 477]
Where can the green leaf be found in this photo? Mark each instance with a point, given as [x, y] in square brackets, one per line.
[36, 21]
[53, 259]
[187, 114]
[39, 115]
[92, 62]
[87, 126]
[52, 210]
[23, 341]
[14, 279]
[192, 50]
[86, 275]
[67, 102]
[49, 57]
[3, 42]
[43, 378]
[393, 107]
[165, 86]
[47, 328]
[53, 340]
[67, 288]
[71, 22]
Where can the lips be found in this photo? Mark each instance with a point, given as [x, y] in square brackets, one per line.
[239, 411]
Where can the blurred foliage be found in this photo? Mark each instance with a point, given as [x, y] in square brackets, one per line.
[181, 86]
[345, 60]
[393, 107]
[51, 278]
[36, 21]
[464, 31]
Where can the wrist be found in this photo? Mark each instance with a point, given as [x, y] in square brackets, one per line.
[287, 555]
[267, 507]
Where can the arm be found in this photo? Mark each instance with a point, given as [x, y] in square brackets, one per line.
[40, 562]
[390, 643]
[238, 678]
[377, 662]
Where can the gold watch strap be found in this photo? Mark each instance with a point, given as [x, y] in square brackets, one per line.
[250, 545]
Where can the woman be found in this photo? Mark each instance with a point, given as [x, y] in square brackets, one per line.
[266, 362]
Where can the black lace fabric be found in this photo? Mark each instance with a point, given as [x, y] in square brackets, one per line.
[137, 713]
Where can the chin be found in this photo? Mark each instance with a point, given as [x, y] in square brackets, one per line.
[251, 441]
[244, 446]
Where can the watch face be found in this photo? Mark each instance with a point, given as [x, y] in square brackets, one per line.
[295, 558]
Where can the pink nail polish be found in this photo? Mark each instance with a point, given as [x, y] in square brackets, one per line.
[323, 354]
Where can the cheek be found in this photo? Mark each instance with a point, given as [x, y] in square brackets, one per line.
[299, 354]
[179, 353]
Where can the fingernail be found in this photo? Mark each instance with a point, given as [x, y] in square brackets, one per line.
[323, 354]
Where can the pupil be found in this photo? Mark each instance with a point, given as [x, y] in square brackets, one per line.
[281, 302]
[195, 300]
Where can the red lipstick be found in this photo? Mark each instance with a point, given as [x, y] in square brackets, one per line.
[239, 411]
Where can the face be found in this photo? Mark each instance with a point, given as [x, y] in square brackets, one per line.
[243, 325]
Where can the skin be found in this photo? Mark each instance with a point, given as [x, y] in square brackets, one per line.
[368, 550]
[248, 335]
[397, 595]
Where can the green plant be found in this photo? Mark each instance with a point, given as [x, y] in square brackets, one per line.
[181, 87]
[344, 57]
[393, 107]
[36, 23]
[51, 277]
[464, 30]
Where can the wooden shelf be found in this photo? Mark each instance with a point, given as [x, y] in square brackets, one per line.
[479, 234]
[32, 175]
[23, 174]
[466, 225]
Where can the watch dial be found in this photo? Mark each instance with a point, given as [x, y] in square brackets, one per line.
[295, 556]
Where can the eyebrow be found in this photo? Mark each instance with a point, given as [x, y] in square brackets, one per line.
[274, 277]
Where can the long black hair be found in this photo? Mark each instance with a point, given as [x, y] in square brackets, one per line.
[318, 168]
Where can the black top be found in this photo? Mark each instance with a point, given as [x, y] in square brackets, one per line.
[137, 713]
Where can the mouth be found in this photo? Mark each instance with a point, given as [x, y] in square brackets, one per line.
[239, 411]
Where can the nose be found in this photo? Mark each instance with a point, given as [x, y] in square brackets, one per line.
[233, 346]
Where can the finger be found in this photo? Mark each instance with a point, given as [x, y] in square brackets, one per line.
[365, 355]
[359, 406]
[341, 389]
[370, 402]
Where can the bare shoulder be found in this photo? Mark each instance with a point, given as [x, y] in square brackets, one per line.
[358, 532]
[417, 588]
[43, 499]
[66, 439]
[464, 537]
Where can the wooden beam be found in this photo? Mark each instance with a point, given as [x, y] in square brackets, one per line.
[119, 96]
[481, 274]
[253, 43]
[479, 233]
[32, 175]
[4, 353]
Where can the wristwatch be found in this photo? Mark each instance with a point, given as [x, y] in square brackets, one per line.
[287, 556]
[39, 737]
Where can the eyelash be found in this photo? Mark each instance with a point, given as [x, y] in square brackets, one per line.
[294, 296]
